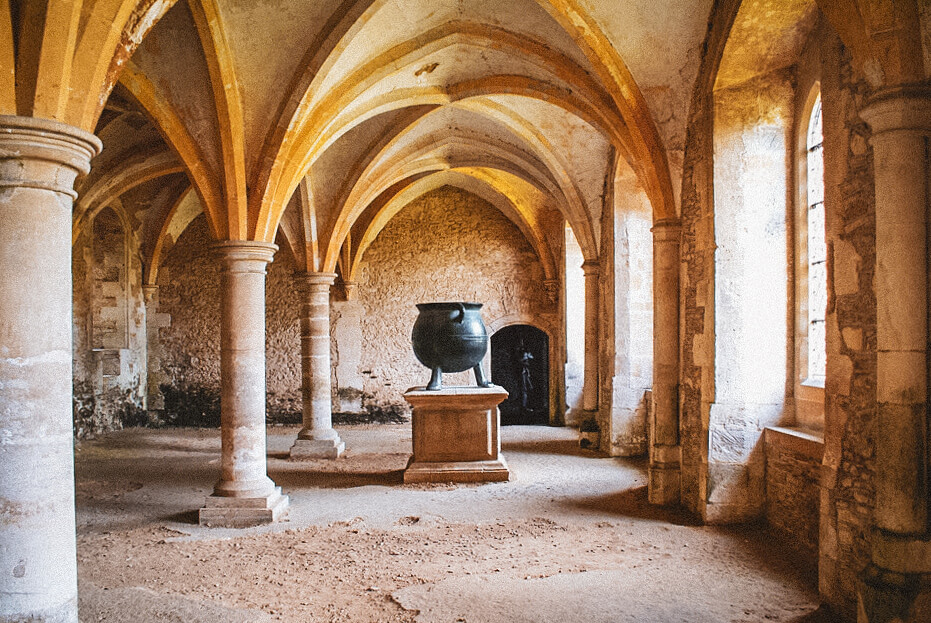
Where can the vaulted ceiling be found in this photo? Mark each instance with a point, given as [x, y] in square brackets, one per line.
[315, 121]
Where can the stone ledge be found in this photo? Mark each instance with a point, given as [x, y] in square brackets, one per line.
[807, 443]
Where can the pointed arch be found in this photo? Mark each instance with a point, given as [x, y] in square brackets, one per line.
[174, 132]
[126, 175]
[7, 62]
[649, 154]
[112, 32]
[229, 110]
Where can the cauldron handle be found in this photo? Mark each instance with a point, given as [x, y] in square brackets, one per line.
[462, 313]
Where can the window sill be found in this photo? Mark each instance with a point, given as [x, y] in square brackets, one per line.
[807, 442]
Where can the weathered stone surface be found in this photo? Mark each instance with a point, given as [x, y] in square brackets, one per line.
[455, 434]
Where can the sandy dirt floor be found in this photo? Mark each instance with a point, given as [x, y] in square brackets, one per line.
[569, 538]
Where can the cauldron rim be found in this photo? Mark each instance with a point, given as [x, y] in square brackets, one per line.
[448, 305]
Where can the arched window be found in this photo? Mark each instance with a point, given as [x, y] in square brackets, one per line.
[817, 248]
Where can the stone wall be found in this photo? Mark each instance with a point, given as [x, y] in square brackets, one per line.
[449, 245]
[108, 348]
[189, 290]
[847, 473]
[793, 495]
[850, 389]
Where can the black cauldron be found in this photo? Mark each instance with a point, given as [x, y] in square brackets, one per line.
[450, 337]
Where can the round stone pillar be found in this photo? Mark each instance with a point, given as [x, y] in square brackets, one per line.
[896, 585]
[901, 124]
[591, 270]
[665, 452]
[317, 439]
[39, 161]
[245, 495]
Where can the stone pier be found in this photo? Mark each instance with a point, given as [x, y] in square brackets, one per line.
[665, 452]
[39, 162]
[245, 495]
[317, 439]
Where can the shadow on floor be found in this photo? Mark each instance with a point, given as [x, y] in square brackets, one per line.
[632, 503]
[322, 479]
[822, 615]
[566, 447]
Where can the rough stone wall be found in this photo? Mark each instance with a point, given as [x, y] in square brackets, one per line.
[448, 245]
[282, 342]
[793, 497]
[696, 388]
[850, 389]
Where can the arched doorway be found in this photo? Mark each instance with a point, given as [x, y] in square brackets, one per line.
[520, 364]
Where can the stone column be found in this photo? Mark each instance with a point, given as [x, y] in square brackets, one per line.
[665, 451]
[317, 439]
[245, 495]
[39, 161]
[591, 269]
[900, 120]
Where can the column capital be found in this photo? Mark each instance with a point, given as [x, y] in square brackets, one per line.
[591, 268]
[244, 250]
[901, 108]
[43, 142]
[667, 229]
[306, 279]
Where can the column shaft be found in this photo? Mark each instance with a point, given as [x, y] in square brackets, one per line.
[244, 495]
[39, 161]
[665, 451]
[901, 124]
[317, 438]
[592, 295]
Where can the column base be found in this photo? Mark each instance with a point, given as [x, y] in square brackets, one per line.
[664, 488]
[888, 597]
[229, 512]
[307, 449]
[457, 471]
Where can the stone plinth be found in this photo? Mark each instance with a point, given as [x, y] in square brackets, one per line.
[455, 435]
[231, 512]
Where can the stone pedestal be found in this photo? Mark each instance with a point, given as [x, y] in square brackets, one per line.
[39, 161]
[317, 439]
[244, 495]
[455, 435]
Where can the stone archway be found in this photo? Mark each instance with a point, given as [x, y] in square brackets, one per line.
[520, 364]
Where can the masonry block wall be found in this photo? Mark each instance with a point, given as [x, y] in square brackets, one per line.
[793, 494]
[108, 349]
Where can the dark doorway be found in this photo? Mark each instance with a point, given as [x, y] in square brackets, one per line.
[520, 364]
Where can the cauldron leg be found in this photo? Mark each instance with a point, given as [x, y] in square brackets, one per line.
[436, 380]
[480, 379]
